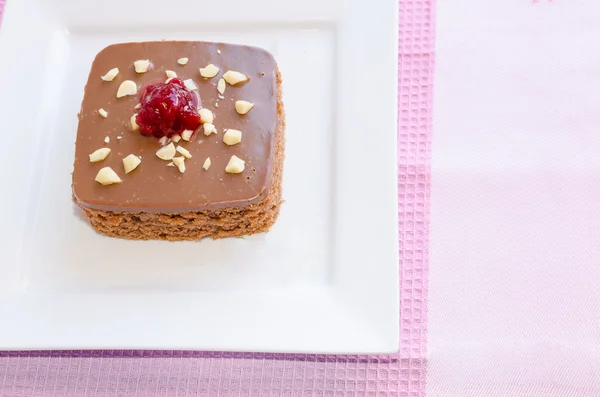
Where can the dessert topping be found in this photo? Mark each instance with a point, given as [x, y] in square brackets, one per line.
[243, 107]
[186, 135]
[232, 137]
[168, 109]
[131, 162]
[99, 155]
[179, 163]
[232, 77]
[235, 166]
[110, 75]
[209, 128]
[184, 152]
[127, 87]
[142, 65]
[166, 152]
[206, 116]
[106, 176]
[209, 71]
[221, 86]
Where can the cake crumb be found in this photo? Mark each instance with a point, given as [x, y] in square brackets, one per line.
[107, 140]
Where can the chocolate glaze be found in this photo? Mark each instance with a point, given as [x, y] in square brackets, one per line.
[154, 187]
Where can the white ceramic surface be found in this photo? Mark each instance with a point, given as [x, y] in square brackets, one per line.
[325, 279]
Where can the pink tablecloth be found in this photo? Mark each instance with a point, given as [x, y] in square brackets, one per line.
[150, 373]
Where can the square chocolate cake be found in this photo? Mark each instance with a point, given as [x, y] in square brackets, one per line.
[180, 140]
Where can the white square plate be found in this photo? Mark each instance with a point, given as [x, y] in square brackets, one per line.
[325, 279]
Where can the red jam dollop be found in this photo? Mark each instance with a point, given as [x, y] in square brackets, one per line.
[167, 109]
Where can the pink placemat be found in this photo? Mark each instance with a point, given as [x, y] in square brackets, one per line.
[151, 373]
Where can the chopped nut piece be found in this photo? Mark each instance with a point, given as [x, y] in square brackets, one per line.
[106, 140]
[233, 77]
[110, 75]
[179, 163]
[170, 74]
[232, 137]
[166, 152]
[186, 135]
[182, 61]
[235, 166]
[209, 71]
[133, 123]
[206, 116]
[171, 164]
[169, 79]
[209, 129]
[119, 137]
[138, 106]
[127, 87]
[219, 52]
[103, 113]
[99, 155]
[106, 176]
[131, 162]
[190, 85]
[163, 141]
[142, 65]
[243, 107]
[221, 86]
[207, 164]
[184, 152]
[176, 138]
